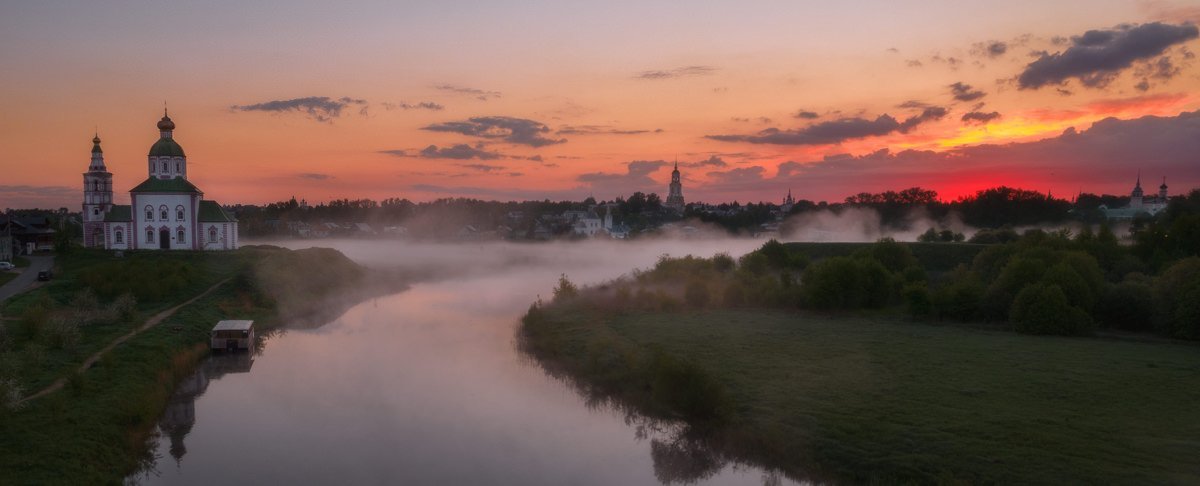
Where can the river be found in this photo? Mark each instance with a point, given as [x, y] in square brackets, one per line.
[426, 386]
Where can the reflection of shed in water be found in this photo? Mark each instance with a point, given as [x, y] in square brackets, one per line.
[180, 415]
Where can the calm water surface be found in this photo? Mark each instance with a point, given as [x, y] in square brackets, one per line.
[425, 387]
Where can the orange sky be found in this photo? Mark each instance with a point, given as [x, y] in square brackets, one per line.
[590, 74]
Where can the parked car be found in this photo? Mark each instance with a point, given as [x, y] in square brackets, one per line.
[45, 275]
[6, 266]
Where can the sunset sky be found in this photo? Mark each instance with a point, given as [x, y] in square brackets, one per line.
[561, 100]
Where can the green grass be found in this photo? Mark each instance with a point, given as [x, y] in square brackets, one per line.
[5, 277]
[868, 400]
[934, 257]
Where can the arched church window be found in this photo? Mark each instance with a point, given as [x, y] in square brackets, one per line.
[179, 236]
[119, 237]
[149, 213]
[178, 167]
[178, 213]
[212, 234]
[162, 212]
[164, 166]
[149, 235]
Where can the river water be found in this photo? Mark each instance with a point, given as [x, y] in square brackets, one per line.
[426, 386]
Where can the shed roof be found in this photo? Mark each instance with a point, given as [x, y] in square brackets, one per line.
[233, 325]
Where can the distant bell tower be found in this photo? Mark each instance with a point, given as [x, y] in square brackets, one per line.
[1135, 198]
[167, 160]
[675, 193]
[1162, 191]
[97, 196]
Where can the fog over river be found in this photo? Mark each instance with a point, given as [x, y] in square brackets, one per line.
[426, 386]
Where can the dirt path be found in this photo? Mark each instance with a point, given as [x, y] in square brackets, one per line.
[153, 321]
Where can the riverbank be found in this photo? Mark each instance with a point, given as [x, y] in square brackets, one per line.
[863, 399]
[95, 430]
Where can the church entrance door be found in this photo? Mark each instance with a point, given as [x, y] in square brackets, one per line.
[164, 240]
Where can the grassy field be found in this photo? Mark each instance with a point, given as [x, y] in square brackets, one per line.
[868, 400]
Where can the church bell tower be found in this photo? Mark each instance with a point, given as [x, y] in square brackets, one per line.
[97, 196]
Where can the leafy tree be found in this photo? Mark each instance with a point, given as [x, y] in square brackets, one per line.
[1127, 306]
[959, 297]
[1177, 299]
[565, 289]
[1043, 309]
[895, 257]
[696, 294]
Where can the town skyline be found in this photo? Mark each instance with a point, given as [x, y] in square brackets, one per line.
[561, 103]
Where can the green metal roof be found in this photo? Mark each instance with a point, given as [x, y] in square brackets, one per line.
[177, 184]
[166, 147]
[119, 214]
[211, 212]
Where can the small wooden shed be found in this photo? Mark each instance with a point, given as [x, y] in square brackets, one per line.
[233, 335]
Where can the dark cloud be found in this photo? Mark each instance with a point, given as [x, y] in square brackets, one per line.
[509, 129]
[740, 175]
[914, 104]
[711, 161]
[319, 108]
[636, 178]
[314, 176]
[460, 151]
[964, 92]
[893, 50]
[951, 61]
[479, 94]
[806, 115]
[837, 131]
[989, 49]
[913, 63]
[424, 105]
[481, 167]
[979, 117]
[600, 130]
[679, 72]
[1143, 85]
[1098, 56]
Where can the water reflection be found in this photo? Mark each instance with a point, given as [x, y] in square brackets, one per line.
[180, 414]
[425, 387]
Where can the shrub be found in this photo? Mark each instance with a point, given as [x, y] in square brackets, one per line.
[1044, 309]
[1177, 299]
[960, 296]
[895, 257]
[754, 263]
[735, 294]
[914, 274]
[62, 332]
[1128, 306]
[847, 283]
[1078, 292]
[565, 289]
[917, 299]
[723, 263]
[696, 294]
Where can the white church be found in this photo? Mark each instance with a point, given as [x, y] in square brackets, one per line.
[166, 212]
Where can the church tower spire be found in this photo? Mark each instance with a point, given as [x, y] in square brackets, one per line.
[97, 196]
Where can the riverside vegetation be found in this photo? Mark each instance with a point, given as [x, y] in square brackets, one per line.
[1055, 357]
[96, 429]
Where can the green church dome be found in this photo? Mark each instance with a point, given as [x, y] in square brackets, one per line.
[166, 147]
